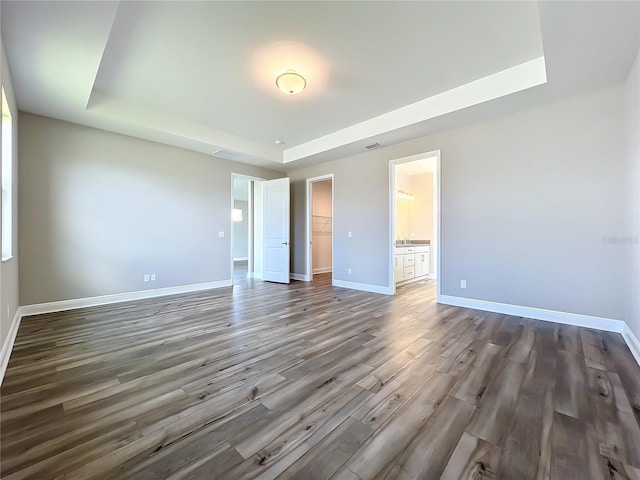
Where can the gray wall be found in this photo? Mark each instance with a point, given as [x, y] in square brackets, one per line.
[632, 234]
[360, 196]
[9, 269]
[99, 210]
[527, 200]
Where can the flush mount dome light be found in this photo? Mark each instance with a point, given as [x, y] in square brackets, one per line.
[291, 83]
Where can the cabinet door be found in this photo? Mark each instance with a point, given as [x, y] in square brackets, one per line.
[418, 264]
[421, 264]
[426, 263]
[409, 272]
[399, 267]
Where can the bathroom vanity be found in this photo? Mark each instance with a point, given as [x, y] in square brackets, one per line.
[411, 260]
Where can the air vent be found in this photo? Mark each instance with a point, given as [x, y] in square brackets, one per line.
[228, 154]
[373, 146]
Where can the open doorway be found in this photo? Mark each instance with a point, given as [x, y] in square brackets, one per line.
[246, 234]
[415, 220]
[320, 227]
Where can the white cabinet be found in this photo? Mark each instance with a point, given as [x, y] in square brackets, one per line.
[421, 261]
[399, 267]
[411, 262]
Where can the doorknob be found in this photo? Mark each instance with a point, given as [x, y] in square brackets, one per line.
[284, 243]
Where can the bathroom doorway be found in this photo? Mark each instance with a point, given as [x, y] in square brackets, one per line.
[415, 220]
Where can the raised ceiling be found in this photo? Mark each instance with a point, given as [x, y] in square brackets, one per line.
[201, 75]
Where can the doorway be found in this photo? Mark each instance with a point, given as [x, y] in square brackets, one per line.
[414, 229]
[320, 246]
[246, 234]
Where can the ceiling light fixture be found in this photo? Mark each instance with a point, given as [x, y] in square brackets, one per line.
[291, 83]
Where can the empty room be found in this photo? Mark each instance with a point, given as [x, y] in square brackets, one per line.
[320, 240]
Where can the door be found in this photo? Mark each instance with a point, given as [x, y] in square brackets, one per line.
[275, 195]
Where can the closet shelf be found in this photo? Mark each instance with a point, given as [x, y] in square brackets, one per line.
[321, 224]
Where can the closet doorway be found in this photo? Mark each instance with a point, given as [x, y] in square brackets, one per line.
[320, 226]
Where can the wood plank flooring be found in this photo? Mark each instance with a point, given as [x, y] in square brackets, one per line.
[308, 381]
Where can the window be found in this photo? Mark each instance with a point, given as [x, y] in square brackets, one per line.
[236, 215]
[7, 180]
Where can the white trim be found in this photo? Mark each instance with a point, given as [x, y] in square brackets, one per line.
[632, 342]
[587, 321]
[365, 287]
[39, 308]
[513, 79]
[435, 244]
[309, 229]
[255, 275]
[7, 346]
[323, 270]
[299, 276]
[241, 259]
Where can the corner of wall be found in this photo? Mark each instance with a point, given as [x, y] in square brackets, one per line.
[9, 292]
[632, 175]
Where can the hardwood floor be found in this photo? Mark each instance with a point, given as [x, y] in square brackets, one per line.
[309, 381]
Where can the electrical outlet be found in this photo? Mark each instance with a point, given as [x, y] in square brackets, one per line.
[153, 277]
[463, 284]
[221, 234]
[349, 234]
[146, 277]
[349, 271]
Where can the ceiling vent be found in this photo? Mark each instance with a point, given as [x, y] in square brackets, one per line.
[373, 146]
[228, 154]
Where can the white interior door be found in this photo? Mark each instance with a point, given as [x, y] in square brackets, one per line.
[275, 195]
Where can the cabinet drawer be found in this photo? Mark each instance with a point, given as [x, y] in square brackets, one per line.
[409, 250]
[409, 259]
[409, 272]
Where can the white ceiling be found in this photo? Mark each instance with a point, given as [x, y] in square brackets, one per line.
[201, 75]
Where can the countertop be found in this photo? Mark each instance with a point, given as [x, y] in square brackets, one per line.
[412, 243]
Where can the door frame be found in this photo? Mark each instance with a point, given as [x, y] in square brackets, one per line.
[250, 218]
[309, 229]
[437, 218]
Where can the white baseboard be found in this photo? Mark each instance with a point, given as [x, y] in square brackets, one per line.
[240, 259]
[118, 297]
[576, 319]
[632, 342]
[299, 276]
[7, 345]
[322, 270]
[365, 287]
[587, 321]
[254, 275]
